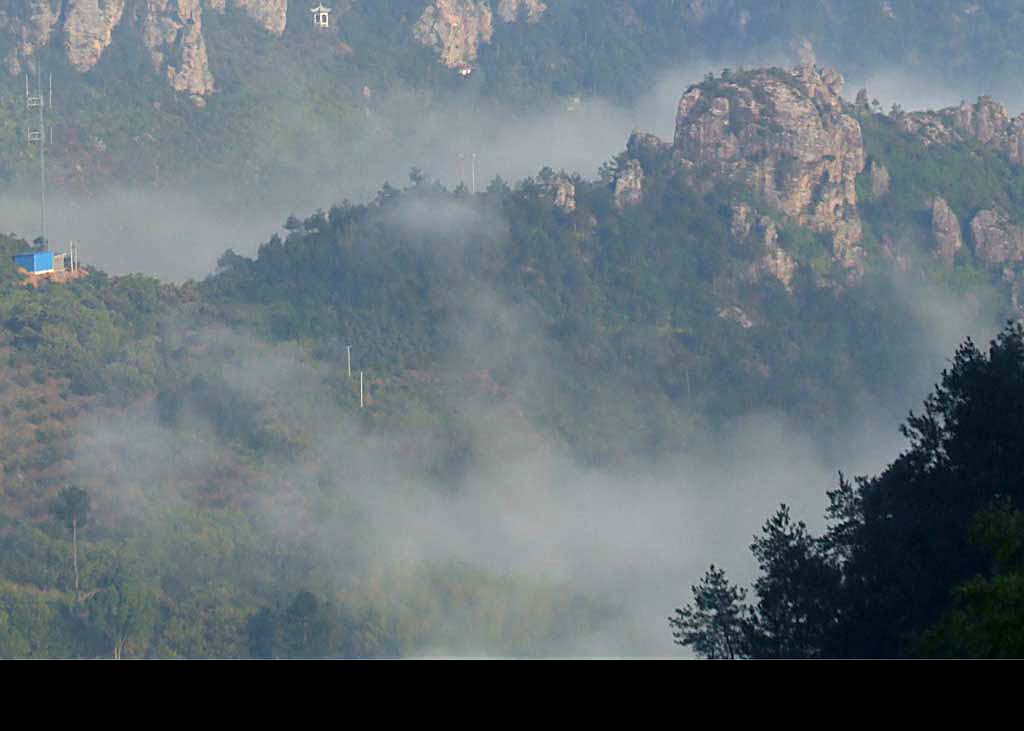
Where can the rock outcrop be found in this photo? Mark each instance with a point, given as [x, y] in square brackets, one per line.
[987, 122]
[946, 229]
[761, 231]
[736, 314]
[27, 26]
[996, 240]
[786, 136]
[271, 14]
[89, 28]
[881, 182]
[509, 10]
[560, 189]
[456, 28]
[629, 184]
[173, 33]
[645, 146]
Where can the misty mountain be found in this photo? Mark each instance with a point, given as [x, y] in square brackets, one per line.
[710, 325]
[241, 97]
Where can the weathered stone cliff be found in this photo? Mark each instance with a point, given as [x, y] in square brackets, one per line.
[559, 188]
[881, 181]
[88, 29]
[946, 229]
[27, 25]
[509, 10]
[457, 28]
[996, 240]
[786, 136]
[629, 184]
[173, 33]
[987, 121]
[271, 14]
[761, 232]
[171, 30]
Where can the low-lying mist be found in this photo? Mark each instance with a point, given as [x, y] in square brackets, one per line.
[632, 536]
[177, 231]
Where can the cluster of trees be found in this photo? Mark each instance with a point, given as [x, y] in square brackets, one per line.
[924, 559]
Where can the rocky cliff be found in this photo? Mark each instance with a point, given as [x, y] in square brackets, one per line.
[946, 229]
[760, 231]
[271, 14]
[457, 28]
[987, 122]
[173, 33]
[784, 135]
[88, 29]
[25, 26]
[996, 239]
[509, 10]
[171, 30]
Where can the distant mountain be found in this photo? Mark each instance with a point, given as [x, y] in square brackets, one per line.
[162, 90]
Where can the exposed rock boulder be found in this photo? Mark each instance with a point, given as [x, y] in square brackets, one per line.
[946, 229]
[27, 26]
[736, 314]
[456, 28]
[88, 29]
[776, 262]
[881, 182]
[785, 135]
[560, 189]
[509, 10]
[987, 122]
[173, 33]
[779, 264]
[761, 231]
[171, 30]
[742, 221]
[629, 184]
[271, 14]
[995, 239]
[643, 145]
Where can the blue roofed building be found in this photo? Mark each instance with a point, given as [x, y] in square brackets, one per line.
[35, 262]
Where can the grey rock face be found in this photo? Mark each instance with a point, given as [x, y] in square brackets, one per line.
[946, 229]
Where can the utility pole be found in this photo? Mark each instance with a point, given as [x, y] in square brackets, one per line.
[348, 351]
[474, 173]
[361, 402]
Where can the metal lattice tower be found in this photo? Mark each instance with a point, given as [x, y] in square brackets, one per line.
[36, 133]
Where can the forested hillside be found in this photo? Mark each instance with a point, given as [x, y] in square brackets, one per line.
[187, 470]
